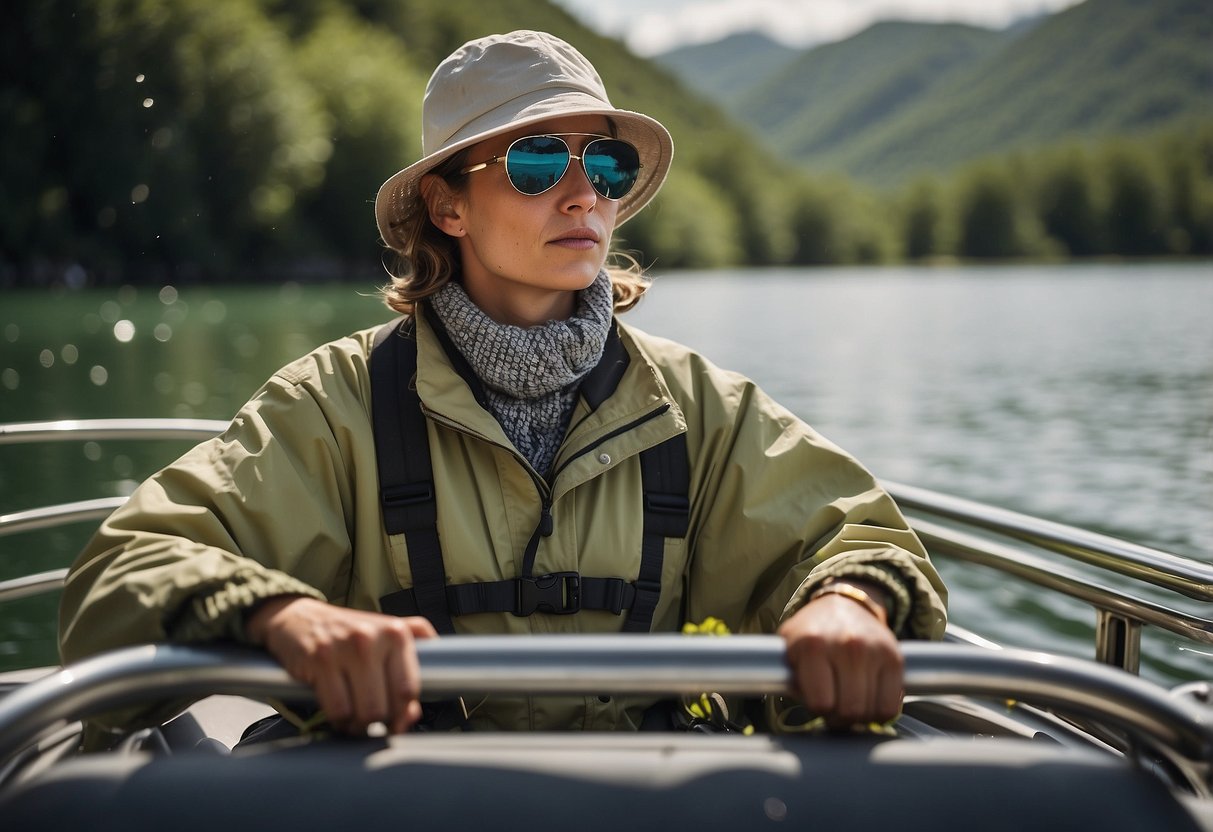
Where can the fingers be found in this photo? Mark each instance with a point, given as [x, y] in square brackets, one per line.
[846, 665]
[854, 683]
[403, 688]
[420, 627]
[362, 666]
[813, 676]
[890, 690]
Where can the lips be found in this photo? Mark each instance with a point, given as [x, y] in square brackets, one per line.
[578, 235]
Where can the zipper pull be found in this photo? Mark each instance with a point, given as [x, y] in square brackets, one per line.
[546, 524]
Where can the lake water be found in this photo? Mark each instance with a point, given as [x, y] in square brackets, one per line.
[1078, 393]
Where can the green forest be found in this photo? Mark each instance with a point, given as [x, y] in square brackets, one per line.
[901, 97]
[244, 140]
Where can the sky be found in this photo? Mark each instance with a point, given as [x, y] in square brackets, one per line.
[653, 26]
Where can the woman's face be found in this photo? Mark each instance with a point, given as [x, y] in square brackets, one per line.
[524, 256]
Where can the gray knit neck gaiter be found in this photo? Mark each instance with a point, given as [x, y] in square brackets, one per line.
[530, 375]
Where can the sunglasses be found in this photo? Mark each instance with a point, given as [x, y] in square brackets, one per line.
[534, 164]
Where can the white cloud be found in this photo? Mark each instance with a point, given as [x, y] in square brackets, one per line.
[652, 26]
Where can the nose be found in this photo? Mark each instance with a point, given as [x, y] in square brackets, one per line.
[575, 189]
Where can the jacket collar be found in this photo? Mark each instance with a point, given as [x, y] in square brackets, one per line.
[623, 388]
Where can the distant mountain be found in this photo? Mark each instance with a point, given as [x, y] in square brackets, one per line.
[820, 103]
[726, 70]
[904, 97]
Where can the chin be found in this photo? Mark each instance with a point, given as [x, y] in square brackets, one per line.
[572, 281]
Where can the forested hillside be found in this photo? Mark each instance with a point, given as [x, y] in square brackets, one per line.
[233, 137]
[838, 94]
[903, 98]
[188, 140]
[726, 71]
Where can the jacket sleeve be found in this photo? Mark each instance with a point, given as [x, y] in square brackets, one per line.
[777, 510]
[261, 510]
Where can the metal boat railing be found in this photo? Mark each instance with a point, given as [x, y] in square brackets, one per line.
[596, 664]
[81, 430]
[1119, 614]
[949, 526]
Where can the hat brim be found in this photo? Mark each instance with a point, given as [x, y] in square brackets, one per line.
[652, 141]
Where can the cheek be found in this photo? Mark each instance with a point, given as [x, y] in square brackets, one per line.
[610, 212]
[514, 223]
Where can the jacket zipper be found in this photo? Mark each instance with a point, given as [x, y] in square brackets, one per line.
[546, 523]
[544, 486]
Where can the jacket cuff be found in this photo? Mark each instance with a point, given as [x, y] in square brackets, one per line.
[913, 601]
[220, 613]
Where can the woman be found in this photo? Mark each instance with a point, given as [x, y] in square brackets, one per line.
[539, 409]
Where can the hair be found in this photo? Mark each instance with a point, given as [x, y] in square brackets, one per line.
[425, 258]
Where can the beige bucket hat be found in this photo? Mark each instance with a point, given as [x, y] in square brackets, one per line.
[500, 83]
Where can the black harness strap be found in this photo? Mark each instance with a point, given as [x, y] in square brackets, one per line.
[557, 593]
[666, 477]
[409, 506]
[402, 450]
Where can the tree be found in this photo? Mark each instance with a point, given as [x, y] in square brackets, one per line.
[1136, 202]
[690, 225]
[176, 135]
[994, 218]
[371, 94]
[1068, 203]
[922, 219]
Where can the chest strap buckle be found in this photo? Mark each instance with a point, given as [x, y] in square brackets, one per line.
[558, 593]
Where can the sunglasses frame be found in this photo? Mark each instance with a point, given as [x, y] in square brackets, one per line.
[502, 159]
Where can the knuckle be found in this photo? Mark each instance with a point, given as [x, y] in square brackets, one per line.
[807, 644]
[397, 634]
[323, 652]
[360, 638]
[853, 647]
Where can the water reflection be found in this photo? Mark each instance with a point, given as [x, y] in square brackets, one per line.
[110, 312]
[1083, 396]
[124, 331]
[214, 311]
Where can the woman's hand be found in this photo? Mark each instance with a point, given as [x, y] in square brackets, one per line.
[846, 663]
[362, 665]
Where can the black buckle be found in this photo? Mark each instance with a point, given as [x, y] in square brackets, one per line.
[557, 592]
[409, 494]
[667, 503]
[643, 585]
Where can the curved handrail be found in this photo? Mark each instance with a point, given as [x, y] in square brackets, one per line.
[36, 584]
[15, 433]
[63, 430]
[940, 539]
[1186, 576]
[578, 665]
[57, 515]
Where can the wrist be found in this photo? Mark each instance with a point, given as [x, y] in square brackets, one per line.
[257, 618]
[871, 598]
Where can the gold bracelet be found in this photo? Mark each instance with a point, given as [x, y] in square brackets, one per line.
[855, 594]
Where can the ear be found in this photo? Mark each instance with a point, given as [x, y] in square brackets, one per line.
[443, 204]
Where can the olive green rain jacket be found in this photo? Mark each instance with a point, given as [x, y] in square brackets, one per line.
[286, 500]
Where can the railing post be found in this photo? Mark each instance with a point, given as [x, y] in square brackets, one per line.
[1117, 640]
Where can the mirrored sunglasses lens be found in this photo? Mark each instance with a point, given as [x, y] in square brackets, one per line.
[536, 163]
[612, 166]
